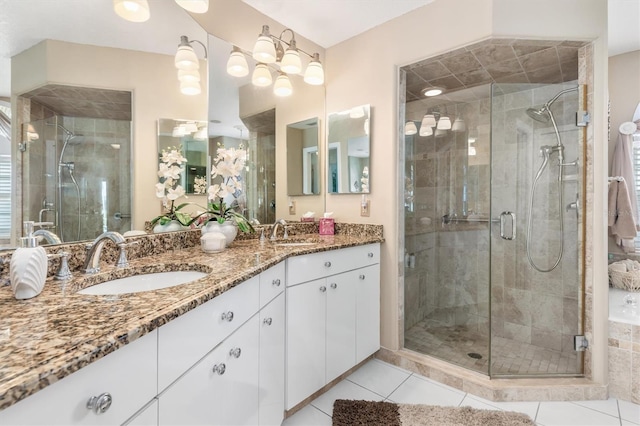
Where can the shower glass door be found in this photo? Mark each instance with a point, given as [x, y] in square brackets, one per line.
[536, 281]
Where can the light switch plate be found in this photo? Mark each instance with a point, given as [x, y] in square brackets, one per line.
[292, 208]
[365, 209]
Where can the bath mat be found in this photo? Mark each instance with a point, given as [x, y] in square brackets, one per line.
[369, 413]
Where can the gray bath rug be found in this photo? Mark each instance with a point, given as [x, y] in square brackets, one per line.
[369, 413]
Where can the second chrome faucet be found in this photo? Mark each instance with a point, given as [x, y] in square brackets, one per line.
[92, 261]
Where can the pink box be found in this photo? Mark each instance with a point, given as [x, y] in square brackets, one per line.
[326, 226]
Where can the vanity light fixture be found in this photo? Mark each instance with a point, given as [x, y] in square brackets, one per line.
[178, 132]
[426, 131]
[195, 6]
[429, 120]
[282, 86]
[132, 10]
[444, 123]
[410, 128]
[458, 125]
[269, 52]
[188, 66]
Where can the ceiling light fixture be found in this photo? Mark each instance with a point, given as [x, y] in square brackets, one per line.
[432, 91]
[269, 52]
[195, 6]
[188, 65]
[132, 10]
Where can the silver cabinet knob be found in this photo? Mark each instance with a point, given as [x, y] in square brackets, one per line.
[327, 264]
[267, 321]
[370, 254]
[334, 285]
[362, 277]
[323, 289]
[276, 282]
[235, 352]
[219, 368]
[100, 404]
[227, 316]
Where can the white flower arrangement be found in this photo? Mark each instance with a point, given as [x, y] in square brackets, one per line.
[168, 189]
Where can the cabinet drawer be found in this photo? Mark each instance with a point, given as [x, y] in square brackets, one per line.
[272, 283]
[186, 339]
[127, 375]
[316, 265]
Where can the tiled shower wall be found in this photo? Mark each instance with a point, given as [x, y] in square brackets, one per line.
[529, 306]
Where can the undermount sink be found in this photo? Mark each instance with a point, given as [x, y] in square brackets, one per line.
[143, 282]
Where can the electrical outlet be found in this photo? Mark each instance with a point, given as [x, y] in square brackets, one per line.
[292, 208]
[365, 208]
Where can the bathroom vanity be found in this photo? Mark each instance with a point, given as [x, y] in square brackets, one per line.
[210, 351]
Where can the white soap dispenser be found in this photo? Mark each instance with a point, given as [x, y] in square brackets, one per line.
[28, 267]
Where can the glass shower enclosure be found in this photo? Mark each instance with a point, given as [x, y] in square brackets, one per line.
[493, 230]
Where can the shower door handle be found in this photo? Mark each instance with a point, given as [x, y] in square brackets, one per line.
[503, 217]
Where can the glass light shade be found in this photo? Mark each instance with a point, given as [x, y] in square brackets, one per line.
[195, 6]
[366, 126]
[426, 131]
[291, 63]
[190, 127]
[444, 123]
[188, 75]
[178, 132]
[428, 121]
[472, 150]
[132, 10]
[264, 51]
[237, 64]
[282, 86]
[458, 125]
[190, 88]
[201, 134]
[410, 128]
[440, 133]
[314, 74]
[356, 112]
[261, 76]
[186, 59]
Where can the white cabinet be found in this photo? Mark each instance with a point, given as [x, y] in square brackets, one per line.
[333, 322]
[221, 389]
[272, 362]
[148, 416]
[127, 377]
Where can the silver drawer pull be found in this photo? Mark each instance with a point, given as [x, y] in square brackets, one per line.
[220, 369]
[323, 289]
[362, 277]
[276, 282]
[100, 404]
[227, 316]
[334, 285]
[267, 321]
[235, 352]
[327, 264]
[370, 254]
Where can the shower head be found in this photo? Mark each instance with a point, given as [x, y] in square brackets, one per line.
[69, 133]
[539, 114]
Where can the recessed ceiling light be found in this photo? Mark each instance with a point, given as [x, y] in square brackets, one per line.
[434, 91]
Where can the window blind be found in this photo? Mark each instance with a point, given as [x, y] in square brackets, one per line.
[5, 196]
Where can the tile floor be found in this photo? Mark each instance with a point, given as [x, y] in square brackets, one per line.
[509, 357]
[379, 381]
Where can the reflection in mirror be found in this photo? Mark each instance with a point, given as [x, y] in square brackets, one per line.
[303, 165]
[348, 167]
[191, 136]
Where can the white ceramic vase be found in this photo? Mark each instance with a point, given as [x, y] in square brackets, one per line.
[171, 226]
[28, 271]
[229, 229]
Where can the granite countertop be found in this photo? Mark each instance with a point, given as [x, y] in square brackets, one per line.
[58, 332]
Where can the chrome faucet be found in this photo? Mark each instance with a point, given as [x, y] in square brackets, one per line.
[49, 236]
[92, 261]
[274, 228]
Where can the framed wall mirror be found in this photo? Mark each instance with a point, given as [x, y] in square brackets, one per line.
[348, 151]
[192, 138]
[303, 160]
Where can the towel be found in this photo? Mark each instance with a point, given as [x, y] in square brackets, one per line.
[622, 165]
[622, 224]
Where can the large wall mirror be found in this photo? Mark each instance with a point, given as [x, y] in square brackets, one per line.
[303, 160]
[86, 90]
[348, 151]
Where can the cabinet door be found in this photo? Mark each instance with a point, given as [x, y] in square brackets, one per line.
[146, 417]
[367, 312]
[341, 324]
[226, 395]
[272, 362]
[305, 340]
[128, 375]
